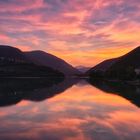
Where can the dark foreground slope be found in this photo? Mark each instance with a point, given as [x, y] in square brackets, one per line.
[11, 55]
[124, 67]
[14, 63]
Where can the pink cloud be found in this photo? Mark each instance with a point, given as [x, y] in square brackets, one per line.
[78, 28]
[4, 37]
[19, 6]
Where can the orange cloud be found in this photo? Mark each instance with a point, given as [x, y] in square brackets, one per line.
[91, 58]
[80, 32]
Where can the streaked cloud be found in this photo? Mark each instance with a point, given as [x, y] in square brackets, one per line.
[77, 30]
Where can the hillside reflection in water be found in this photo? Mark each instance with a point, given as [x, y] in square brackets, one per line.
[69, 110]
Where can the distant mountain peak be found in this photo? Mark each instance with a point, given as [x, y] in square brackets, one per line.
[82, 69]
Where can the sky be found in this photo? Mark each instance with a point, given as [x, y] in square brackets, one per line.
[82, 32]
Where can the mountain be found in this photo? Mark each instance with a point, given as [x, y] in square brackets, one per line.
[82, 69]
[13, 62]
[46, 59]
[126, 66]
[10, 54]
[103, 66]
[130, 59]
[123, 67]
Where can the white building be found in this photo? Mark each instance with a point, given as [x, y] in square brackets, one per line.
[137, 71]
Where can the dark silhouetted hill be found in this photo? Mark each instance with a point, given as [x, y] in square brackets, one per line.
[103, 66]
[121, 68]
[127, 64]
[46, 59]
[13, 62]
[10, 54]
[130, 59]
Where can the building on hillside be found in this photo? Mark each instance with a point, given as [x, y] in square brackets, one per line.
[137, 71]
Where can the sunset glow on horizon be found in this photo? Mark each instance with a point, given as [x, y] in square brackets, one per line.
[82, 32]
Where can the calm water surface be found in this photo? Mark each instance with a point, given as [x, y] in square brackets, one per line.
[70, 110]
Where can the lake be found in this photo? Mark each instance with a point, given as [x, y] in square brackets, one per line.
[72, 109]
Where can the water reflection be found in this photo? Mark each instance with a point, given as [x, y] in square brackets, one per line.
[82, 112]
[13, 90]
[130, 92]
